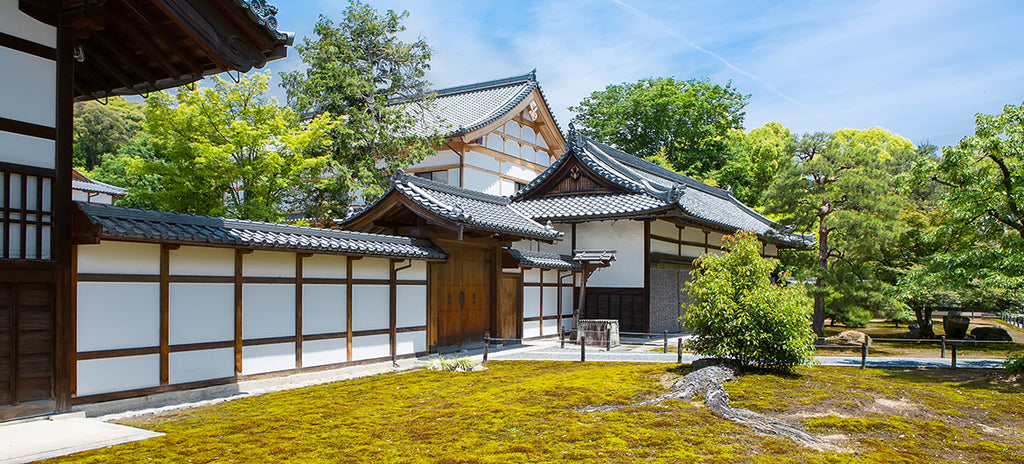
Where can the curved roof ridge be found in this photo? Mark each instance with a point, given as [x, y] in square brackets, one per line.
[487, 85]
[499, 111]
[653, 169]
[434, 185]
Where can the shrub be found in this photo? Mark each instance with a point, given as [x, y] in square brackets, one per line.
[737, 312]
[853, 317]
[1014, 363]
[451, 364]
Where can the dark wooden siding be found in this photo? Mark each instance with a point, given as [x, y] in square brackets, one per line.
[26, 343]
[627, 305]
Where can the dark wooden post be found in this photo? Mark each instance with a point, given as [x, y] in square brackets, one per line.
[942, 349]
[583, 348]
[487, 344]
[679, 351]
[863, 354]
[952, 359]
[608, 338]
[561, 339]
[664, 347]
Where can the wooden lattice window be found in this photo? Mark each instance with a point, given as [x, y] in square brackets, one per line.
[27, 215]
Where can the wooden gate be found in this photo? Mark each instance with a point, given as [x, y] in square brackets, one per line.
[510, 307]
[26, 343]
[460, 294]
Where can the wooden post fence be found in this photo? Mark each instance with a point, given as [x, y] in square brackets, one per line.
[583, 348]
[863, 354]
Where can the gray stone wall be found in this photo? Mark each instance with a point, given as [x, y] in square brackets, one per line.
[667, 297]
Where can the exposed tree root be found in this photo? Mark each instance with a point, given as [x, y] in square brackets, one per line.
[708, 382]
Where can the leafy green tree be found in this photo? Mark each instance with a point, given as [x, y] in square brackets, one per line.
[227, 151]
[360, 70]
[738, 312]
[684, 121]
[839, 189]
[102, 129]
[753, 159]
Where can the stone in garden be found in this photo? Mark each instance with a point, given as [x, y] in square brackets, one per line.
[991, 334]
[850, 337]
[955, 326]
[479, 367]
[914, 333]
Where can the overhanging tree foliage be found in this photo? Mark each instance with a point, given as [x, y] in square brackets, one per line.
[361, 71]
[227, 151]
[736, 311]
[101, 129]
[682, 121]
[753, 159]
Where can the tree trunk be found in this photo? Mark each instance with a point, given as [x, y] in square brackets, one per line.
[923, 314]
[818, 323]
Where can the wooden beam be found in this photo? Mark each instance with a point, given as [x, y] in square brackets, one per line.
[298, 309]
[146, 44]
[647, 275]
[540, 304]
[60, 239]
[239, 254]
[348, 308]
[165, 313]
[393, 308]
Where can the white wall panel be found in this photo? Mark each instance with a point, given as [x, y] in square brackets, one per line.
[412, 305]
[771, 250]
[204, 261]
[550, 301]
[562, 247]
[551, 327]
[658, 246]
[567, 308]
[323, 308]
[370, 307]
[78, 195]
[507, 187]
[482, 182]
[517, 171]
[268, 310]
[321, 352]
[201, 312]
[268, 358]
[715, 239]
[531, 329]
[441, 158]
[371, 268]
[418, 271]
[114, 315]
[550, 277]
[483, 161]
[664, 228]
[30, 94]
[18, 24]
[324, 266]
[371, 346]
[454, 178]
[531, 301]
[110, 257]
[193, 366]
[269, 264]
[692, 251]
[118, 374]
[693, 234]
[531, 275]
[567, 323]
[627, 237]
[411, 342]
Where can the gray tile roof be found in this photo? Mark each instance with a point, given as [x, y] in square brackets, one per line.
[542, 260]
[162, 227]
[650, 187]
[93, 186]
[464, 109]
[474, 209]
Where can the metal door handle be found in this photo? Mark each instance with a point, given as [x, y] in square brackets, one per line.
[462, 298]
[474, 298]
[449, 298]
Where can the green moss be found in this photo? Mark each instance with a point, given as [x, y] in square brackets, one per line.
[525, 412]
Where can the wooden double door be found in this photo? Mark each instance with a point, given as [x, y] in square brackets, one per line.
[460, 292]
[27, 342]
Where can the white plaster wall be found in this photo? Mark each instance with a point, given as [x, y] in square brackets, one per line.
[324, 266]
[482, 161]
[482, 182]
[531, 275]
[715, 239]
[693, 234]
[268, 264]
[627, 238]
[507, 187]
[268, 310]
[18, 24]
[771, 250]
[692, 251]
[201, 312]
[268, 358]
[658, 246]
[110, 257]
[323, 309]
[29, 151]
[664, 228]
[114, 315]
[531, 329]
[550, 277]
[551, 327]
[117, 374]
[412, 305]
[531, 302]
[30, 94]
[321, 352]
[567, 301]
[550, 301]
[78, 195]
[418, 271]
[371, 346]
[562, 247]
[193, 366]
[203, 261]
[411, 342]
[441, 158]
[370, 307]
[371, 268]
[517, 171]
[454, 178]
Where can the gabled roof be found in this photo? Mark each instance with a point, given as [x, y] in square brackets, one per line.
[543, 260]
[80, 182]
[632, 187]
[450, 207]
[101, 221]
[464, 109]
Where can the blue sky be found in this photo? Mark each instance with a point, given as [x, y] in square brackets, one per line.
[921, 69]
